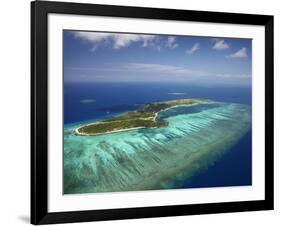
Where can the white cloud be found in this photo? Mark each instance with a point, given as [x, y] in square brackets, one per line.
[193, 49]
[241, 53]
[220, 44]
[115, 39]
[161, 68]
[176, 94]
[142, 67]
[155, 72]
[152, 43]
[171, 42]
[179, 71]
[236, 76]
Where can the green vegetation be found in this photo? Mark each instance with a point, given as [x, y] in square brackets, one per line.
[146, 117]
[131, 115]
[105, 127]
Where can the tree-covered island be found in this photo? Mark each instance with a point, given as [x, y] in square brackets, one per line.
[145, 117]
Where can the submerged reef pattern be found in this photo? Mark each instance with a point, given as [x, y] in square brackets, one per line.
[156, 158]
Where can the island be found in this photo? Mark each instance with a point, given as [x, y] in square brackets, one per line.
[87, 101]
[145, 117]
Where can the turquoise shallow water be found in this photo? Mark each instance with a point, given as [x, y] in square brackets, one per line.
[159, 158]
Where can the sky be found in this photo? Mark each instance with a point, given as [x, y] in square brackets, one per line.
[123, 57]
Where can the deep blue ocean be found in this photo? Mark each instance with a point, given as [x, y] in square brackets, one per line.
[92, 101]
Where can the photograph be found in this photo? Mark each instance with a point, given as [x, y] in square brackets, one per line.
[140, 112]
[145, 112]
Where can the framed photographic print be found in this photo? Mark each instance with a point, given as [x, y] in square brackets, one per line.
[145, 112]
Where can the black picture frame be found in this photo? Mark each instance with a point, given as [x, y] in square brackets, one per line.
[39, 112]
